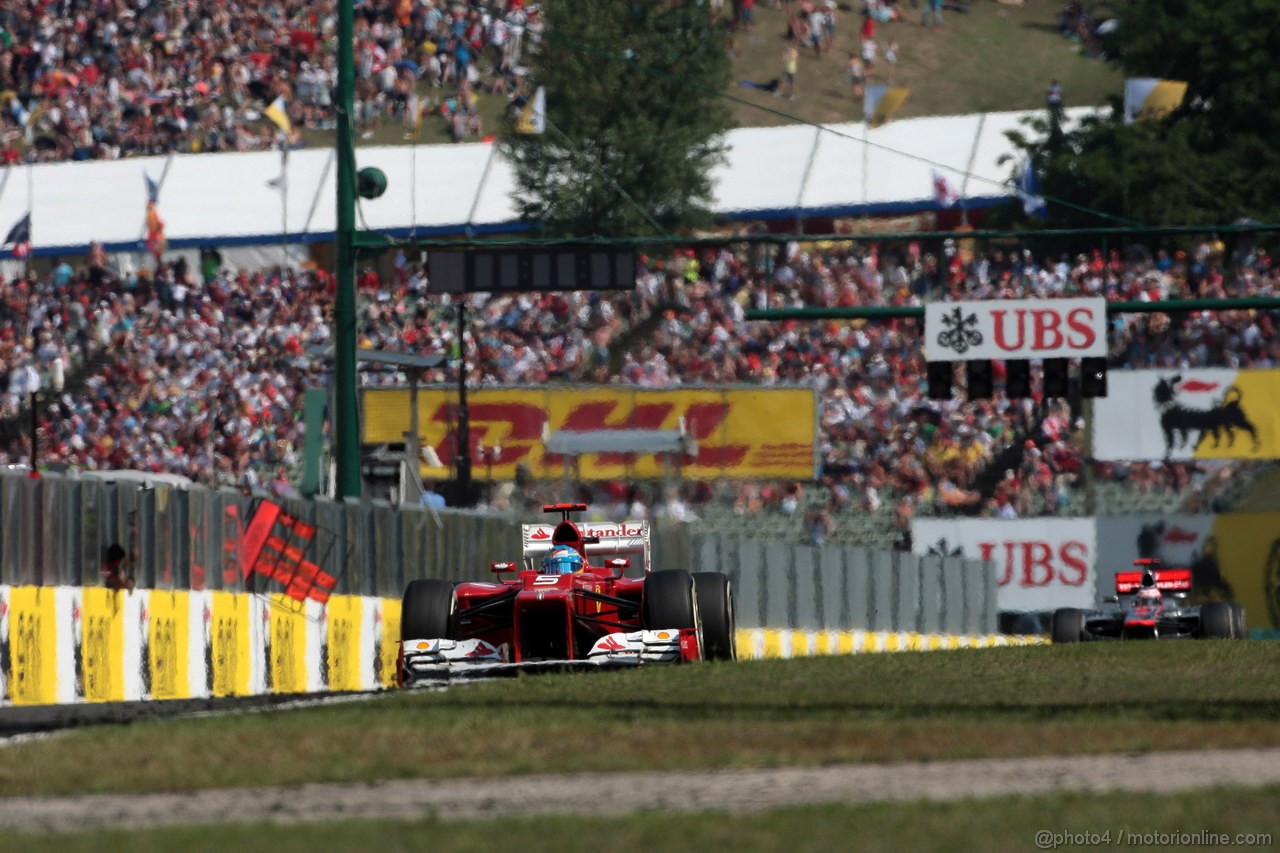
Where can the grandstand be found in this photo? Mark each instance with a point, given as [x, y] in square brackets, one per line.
[196, 364]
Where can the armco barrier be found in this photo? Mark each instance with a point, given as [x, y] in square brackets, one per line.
[850, 589]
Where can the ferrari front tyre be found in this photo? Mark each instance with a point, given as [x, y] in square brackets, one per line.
[1238, 624]
[668, 601]
[715, 608]
[428, 611]
[1217, 620]
[1068, 625]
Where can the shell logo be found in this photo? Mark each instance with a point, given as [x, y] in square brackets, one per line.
[423, 646]
[664, 635]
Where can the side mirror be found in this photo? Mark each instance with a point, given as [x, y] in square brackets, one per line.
[1111, 599]
[619, 564]
[499, 568]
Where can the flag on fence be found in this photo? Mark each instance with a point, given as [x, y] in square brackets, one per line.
[943, 193]
[279, 115]
[275, 545]
[533, 118]
[1151, 99]
[18, 240]
[1029, 191]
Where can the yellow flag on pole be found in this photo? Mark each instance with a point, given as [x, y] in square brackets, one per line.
[881, 103]
[533, 118]
[279, 114]
[1151, 99]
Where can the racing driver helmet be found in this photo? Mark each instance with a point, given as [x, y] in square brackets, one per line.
[562, 560]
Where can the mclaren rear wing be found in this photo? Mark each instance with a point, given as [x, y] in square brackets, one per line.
[1167, 580]
[611, 540]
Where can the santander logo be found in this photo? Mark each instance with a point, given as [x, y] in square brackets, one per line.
[541, 533]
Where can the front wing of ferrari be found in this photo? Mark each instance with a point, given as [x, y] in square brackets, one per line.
[430, 660]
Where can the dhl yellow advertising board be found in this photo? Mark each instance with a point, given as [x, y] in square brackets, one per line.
[740, 433]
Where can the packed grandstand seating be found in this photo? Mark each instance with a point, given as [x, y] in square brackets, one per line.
[199, 371]
[104, 79]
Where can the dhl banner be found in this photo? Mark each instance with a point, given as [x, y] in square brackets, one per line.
[1210, 413]
[1232, 557]
[740, 433]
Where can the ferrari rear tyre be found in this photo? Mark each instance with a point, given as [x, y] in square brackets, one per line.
[1238, 624]
[715, 608]
[1217, 620]
[428, 610]
[668, 601]
[1068, 625]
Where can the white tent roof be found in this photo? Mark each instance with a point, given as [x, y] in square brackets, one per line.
[435, 190]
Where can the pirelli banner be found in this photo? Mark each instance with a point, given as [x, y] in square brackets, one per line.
[740, 433]
[1211, 413]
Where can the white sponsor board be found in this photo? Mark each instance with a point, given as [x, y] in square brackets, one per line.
[1178, 415]
[1041, 564]
[1015, 328]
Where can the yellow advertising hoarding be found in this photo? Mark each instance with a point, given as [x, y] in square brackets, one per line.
[170, 632]
[33, 672]
[741, 433]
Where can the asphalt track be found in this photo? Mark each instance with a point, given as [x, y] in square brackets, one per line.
[598, 794]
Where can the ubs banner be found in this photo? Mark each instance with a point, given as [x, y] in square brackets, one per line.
[1041, 564]
[1212, 413]
[740, 433]
[1015, 328]
[1233, 557]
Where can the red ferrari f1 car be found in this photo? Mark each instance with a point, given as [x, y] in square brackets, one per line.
[560, 607]
[1151, 603]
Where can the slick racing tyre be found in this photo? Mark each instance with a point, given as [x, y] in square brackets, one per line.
[428, 610]
[1241, 631]
[715, 608]
[1217, 620]
[1068, 625]
[668, 601]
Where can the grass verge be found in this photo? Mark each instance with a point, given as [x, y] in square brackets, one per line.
[995, 57]
[887, 707]
[1246, 817]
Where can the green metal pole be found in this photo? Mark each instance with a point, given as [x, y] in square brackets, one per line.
[346, 421]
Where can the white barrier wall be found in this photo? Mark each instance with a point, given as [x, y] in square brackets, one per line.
[72, 644]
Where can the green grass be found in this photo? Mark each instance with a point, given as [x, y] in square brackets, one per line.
[889, 707]
[996, 57]
[1007, 824]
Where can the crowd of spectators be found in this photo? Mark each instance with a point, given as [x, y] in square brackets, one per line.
[103, 79]
[200, 371]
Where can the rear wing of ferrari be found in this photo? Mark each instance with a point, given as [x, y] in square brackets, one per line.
[1167, 580]
[610, 540]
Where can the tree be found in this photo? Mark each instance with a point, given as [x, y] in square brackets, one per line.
[635, 120]
[1213, 160]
